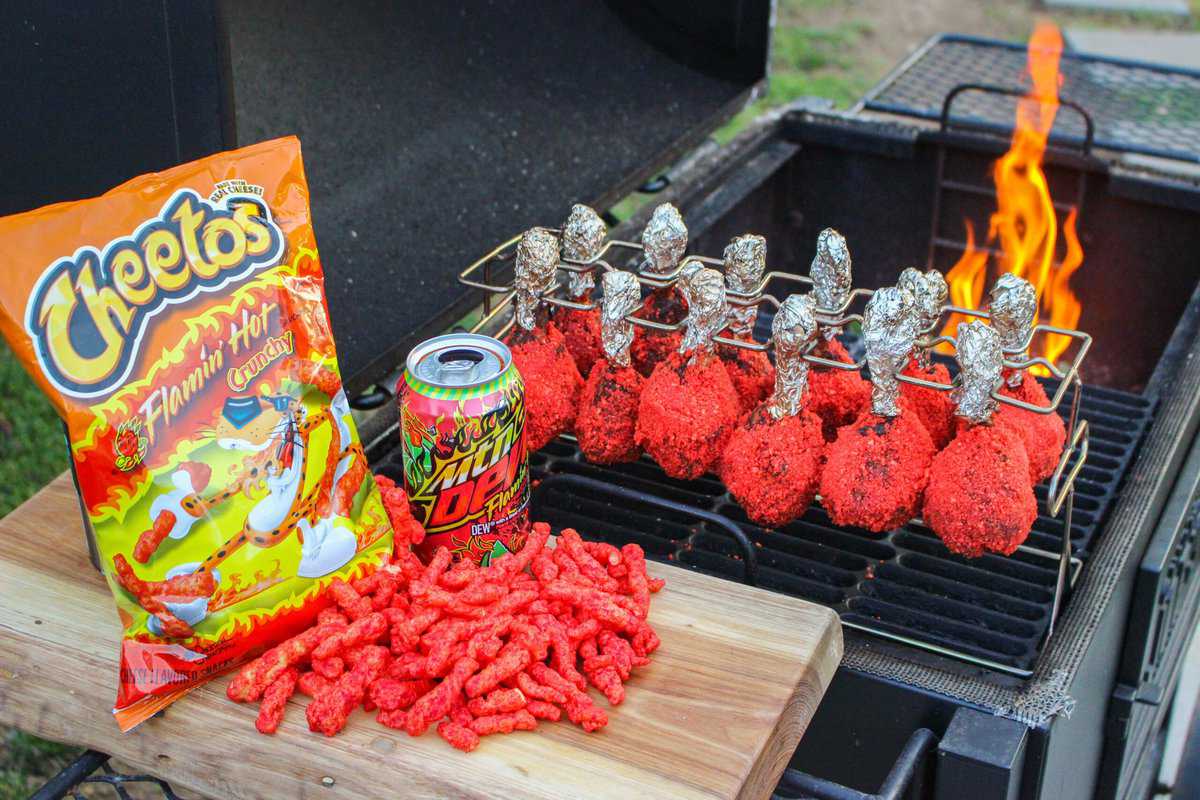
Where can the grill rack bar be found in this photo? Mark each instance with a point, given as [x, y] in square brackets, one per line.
[1060, 497]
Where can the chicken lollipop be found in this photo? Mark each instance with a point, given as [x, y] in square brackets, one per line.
[664, 240]
[933, 407]
[749, 370]
[837, 396]
[688, 406]
[979, 498]
[582, 238]
[607, 419]
[877, 467]
[552, 381]
[1013, 308]
[773, 460]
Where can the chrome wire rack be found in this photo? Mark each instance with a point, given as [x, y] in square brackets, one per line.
[1059, 501]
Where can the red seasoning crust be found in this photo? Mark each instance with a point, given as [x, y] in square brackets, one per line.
[651, 347]
[751, 373]
[552, 383]
[876, 470]
[934, 408]
[581, 329]
[837, 396]
[607, 420]
[686, 414]
[772, 466]
[1044, 435]
[979, 499]
[471, 651]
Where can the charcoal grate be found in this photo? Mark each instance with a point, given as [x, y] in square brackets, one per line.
[1137, 107]
[904, 583]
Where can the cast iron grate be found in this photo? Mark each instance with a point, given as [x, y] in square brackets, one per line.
[1137, 107]
[903, 584]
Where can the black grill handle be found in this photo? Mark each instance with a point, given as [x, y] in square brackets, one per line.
[800, 784]
[1088, 123]
[749, 555]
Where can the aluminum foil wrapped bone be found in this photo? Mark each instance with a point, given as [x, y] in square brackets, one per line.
[533, 273]
[664, 239]
[582, 238]
[889, 333]
[622, 296]
[830, 273]
[930, 293]
[704, 291]
[981, 364]
[794, 327]
[745, 262]
[1012, 305]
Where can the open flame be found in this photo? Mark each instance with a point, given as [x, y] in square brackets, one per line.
[1024, 225]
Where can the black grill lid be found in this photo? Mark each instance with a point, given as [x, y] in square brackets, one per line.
[433, 130]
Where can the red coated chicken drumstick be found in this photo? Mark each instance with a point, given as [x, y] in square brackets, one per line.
[688, 406]
[877, 467]
[749, 370]
[772, 463]
[979, 499]
[663, 240]
[608, 407]
[582, 239]
[539, 350]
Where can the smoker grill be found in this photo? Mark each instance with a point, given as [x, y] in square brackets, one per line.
[953, 654]
[953, 689]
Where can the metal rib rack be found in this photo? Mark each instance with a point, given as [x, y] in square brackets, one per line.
[996, 612]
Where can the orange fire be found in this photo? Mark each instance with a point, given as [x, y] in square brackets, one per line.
[1024, 224]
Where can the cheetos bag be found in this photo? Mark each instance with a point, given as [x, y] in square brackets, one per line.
[178, 325]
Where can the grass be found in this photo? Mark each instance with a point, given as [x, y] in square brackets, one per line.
[32, 452]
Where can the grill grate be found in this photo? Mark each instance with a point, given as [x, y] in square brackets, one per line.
[903, 584]
[1137, 107]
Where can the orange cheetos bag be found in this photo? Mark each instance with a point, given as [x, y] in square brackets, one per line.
[178, 324]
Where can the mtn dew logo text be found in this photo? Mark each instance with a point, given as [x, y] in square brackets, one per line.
[462, 429]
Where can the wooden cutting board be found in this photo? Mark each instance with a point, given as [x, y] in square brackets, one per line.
[738, 677]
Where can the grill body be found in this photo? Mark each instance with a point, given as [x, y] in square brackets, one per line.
[954, 711]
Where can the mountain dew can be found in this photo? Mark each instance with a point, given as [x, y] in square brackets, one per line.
[462, 435]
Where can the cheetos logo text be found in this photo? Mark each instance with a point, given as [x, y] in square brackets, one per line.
[88, 313]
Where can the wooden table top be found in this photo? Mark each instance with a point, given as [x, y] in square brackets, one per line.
[716, 715]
